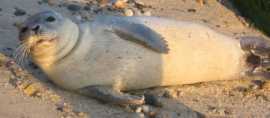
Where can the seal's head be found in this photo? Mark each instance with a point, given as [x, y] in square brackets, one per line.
[47, 37]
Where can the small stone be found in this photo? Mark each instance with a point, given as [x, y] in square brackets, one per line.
[10, 63]
[78, 18]
[167, 114]
[141, 115]
[211, 108]
[201, 2]
[87, 8]
[120, 4]
[222, 111]
[147, 13]
[153, 100]
[1, 9]
[145, 108]
[60, 106]
[128, 12]
[49, 2]
[192, 10]
[241, 89]
[19, 12]
[33, 65]
[8, 49]
[81, 114]
[137, 12]
[204, 20]
[170, 94]
[55, 98]
[68, 117]
[31, 89]
[39, 2]
[257, 84]
[138, 110]
[74, 7]
[103, 3]
[139, 4]
[137, 115]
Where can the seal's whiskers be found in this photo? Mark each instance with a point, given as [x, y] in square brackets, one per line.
[21, 53]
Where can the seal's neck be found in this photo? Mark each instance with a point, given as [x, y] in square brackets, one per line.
[49, 54]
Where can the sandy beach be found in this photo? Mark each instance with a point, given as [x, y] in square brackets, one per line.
[25, 92]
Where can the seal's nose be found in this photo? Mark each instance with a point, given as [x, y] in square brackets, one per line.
[35, 28]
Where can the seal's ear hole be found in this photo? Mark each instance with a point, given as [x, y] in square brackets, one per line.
[50, 19]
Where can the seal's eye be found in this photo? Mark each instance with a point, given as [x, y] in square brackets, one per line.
[50, 19]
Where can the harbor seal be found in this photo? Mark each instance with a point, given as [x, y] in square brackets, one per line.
[112, 54]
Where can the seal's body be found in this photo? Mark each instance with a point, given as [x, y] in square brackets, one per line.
[127, 53]
[196, 54]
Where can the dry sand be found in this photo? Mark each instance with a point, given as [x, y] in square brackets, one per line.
[238, 98]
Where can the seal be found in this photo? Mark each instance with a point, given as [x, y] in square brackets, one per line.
[112, 54]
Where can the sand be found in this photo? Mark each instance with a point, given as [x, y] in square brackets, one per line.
[237, 98]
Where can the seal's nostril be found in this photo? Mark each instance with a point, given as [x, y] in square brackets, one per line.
[24, 29]
[36, 28]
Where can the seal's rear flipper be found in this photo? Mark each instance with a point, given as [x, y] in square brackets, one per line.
[258, 51]
[109, 95]
[136, 32]
[256, 45]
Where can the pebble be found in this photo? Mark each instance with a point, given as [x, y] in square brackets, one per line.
[147, 13]
[78, 18]
[49, 2]
[87, 8]
[8, 50]
[19, 12]
[139, 4]
[241, 89]
[167, 114]
[153, 100]
[137, 12]
[10, 63]
[145, 109]
[192, 10]
[138, 110]
[81, 114]
[137, 115]
[120, 4]
[257, 84]
[74, 7]
[128, 12]
[60, 106]
[103, 3]
[33, 65]
[211, 108]
[201, 2]
[170, 94]
[31, 89]
[1, 9]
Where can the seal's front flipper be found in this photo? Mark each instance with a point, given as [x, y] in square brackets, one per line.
[141, 34]
[135, 32]
[109, 95]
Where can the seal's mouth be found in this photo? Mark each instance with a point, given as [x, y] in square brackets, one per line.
[35, 40]
[40, 41]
